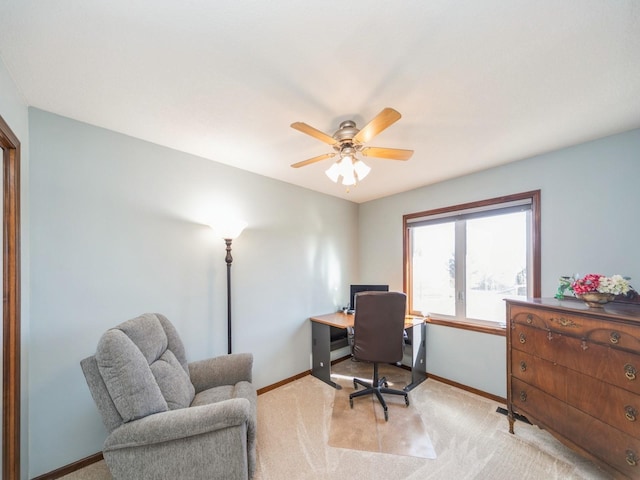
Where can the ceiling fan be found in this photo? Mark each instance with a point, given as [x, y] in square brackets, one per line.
[348, 141]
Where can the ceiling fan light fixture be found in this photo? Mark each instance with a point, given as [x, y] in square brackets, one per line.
[346, 168]
[361, 169]
[333, 172]
[349, 168]
[348, 177]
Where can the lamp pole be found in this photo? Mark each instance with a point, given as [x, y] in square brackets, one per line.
[228, 259]
[228, 229]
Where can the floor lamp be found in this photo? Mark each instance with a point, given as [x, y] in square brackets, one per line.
[229, 232]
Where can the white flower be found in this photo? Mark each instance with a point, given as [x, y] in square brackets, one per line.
[616, 285]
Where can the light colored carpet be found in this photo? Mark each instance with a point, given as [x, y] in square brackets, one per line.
[471, 440]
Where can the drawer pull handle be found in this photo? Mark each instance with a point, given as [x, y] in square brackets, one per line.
[523, 338]
[523, 396]
[529, 319]
[630, 372]
[523, 366]
[564, 322]
[630, 413]
[631, 458]
[614, 337]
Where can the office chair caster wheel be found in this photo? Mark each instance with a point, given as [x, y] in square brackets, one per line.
[406, 400]
[355, 385]
[386, 384]
[386, 415]
[351, 402]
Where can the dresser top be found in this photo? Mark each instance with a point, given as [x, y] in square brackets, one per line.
[613, 310]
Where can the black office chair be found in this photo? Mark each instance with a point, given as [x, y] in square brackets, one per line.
[378, 338]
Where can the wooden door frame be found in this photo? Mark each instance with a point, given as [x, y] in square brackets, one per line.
[11, 303]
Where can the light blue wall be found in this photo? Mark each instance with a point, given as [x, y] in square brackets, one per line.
[115, 229]
[13, 110]
[590, 194]
[116, 232]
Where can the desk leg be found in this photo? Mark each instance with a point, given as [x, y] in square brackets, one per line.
[418, 335]
[321, 353]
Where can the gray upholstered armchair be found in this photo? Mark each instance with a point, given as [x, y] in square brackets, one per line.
[167, 418]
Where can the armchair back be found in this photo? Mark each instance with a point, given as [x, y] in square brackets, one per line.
[139, 368]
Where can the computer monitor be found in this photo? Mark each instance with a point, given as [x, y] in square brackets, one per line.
[364, 288]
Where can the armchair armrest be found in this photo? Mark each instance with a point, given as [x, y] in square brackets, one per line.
[223, 370]
[178, 424]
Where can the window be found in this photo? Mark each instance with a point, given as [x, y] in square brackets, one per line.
[461, 262]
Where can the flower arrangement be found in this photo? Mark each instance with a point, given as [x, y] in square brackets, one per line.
[594, 282]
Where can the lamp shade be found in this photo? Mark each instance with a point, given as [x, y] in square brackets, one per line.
[348, 177]
[361, 169]
[333, 172]
[228, 228]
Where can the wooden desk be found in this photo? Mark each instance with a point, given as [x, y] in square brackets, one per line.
[321, 346]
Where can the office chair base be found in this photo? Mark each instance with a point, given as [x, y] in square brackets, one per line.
[377, 387]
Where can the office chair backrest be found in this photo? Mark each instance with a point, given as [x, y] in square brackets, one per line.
[379, 326]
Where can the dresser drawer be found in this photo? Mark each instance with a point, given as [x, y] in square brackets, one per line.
[610, 445]
[541, 408]
[593, 329]
[616, 448]
[620, 410]
[543, 374]
[533, 340]
[606, 363]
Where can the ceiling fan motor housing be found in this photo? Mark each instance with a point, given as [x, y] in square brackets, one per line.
[346, 132]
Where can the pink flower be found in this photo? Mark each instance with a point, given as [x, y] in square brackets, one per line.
[589, 283]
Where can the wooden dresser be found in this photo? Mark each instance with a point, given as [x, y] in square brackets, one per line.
[575, 371]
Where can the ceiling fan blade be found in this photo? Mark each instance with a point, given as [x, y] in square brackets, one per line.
[313, 160]
[388, 153]
[314, 132]
[384, 119]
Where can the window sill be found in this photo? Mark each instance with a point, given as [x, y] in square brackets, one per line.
[492, 328]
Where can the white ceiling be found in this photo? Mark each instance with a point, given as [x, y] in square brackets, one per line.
[479, 83]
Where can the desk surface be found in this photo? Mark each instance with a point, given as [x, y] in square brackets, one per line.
[343, 320]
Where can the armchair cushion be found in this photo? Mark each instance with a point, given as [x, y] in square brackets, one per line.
[173, 381]
[222, 370]
[141, 374]
[180, 424]
[128, 378]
